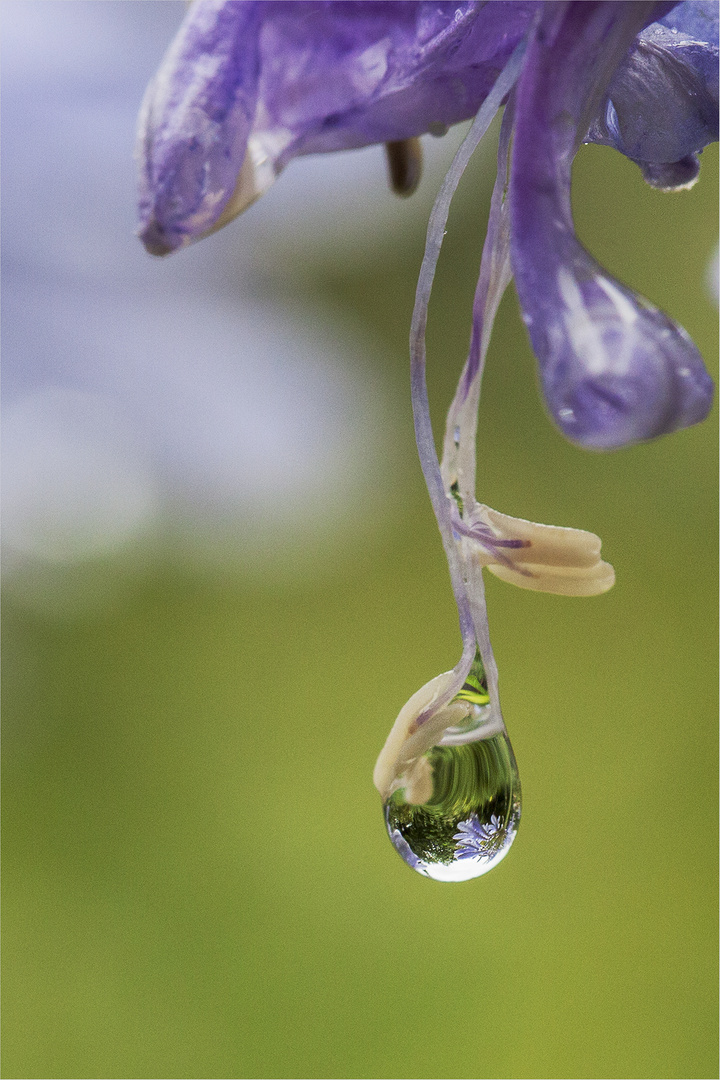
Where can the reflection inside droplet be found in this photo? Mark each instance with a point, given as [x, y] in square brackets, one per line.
[457, 812]
[470, 820]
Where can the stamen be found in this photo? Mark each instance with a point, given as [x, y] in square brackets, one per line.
[404, 160]
[450, 738]
[473, 619]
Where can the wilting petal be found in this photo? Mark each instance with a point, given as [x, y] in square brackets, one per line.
[614, 369]
[341, 75]
[661, 109]
[195, 121]
[247, 86]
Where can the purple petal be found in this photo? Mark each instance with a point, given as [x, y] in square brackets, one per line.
[614, 369]
[342, 75]
[195, 121]
[662, 104]
[302, 78]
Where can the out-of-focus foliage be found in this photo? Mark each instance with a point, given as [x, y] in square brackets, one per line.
[197, 879]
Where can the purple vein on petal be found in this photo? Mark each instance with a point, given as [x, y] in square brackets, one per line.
[614, 369]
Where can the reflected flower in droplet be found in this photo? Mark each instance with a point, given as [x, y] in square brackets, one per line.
[448, 763]
[478, 839]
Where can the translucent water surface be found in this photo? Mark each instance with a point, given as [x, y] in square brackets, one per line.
[470, 820]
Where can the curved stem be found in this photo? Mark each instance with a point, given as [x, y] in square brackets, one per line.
[471, 611]
[459, 454]
[459, 451]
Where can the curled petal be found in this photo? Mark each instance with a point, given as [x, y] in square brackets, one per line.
[544, 558]
[562, 581]
[258, 173]
[614, 369]
[661, 109]
[195, 121]
[671, 175]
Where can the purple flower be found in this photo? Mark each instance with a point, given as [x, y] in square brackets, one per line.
[614, 369]
[246, 87]
[478, 839]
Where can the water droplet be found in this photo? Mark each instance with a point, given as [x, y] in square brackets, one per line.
[456, 435]
[470, 819]
[455, 492]
[438, 129]
[475, 689]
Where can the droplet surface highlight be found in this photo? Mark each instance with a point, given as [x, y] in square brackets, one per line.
[469, 822]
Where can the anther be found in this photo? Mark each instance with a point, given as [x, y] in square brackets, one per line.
[404, 159]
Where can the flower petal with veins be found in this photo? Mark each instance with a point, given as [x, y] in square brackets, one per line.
[614, 369]
[194, 123]
[247, 86]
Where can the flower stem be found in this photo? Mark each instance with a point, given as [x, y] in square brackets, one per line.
[467, 585]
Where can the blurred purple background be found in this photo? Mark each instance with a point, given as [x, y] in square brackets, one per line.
[147, 398]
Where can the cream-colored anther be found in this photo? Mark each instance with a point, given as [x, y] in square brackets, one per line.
[406, 744]
[418, 782]
[553, 559]
[255, 177]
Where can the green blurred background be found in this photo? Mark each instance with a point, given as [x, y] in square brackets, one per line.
[197, 880]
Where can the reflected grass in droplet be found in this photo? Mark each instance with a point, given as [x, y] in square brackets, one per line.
[468, 824]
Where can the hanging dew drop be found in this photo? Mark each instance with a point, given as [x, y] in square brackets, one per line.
[470, 820]
[471, 795]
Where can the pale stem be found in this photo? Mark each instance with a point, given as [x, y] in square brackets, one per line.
[459, 451]
[469, 595]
